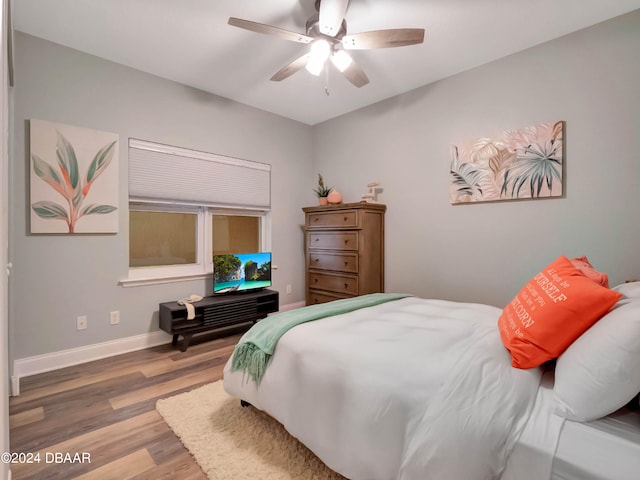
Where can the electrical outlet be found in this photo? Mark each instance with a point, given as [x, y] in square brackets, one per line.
[288, 289]
[115, 317]
[81, 322]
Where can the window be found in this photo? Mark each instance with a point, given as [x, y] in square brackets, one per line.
[235, 234]
[168, 242]
[177, 222]
[162, 238]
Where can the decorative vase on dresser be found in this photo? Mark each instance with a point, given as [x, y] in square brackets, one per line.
[344, 250]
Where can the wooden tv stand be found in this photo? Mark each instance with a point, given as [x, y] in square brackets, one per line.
[216, 312]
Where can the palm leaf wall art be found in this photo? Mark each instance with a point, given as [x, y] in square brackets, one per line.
[519, 164]
[74, 179]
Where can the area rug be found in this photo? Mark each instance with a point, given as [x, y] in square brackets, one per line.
[232, 442]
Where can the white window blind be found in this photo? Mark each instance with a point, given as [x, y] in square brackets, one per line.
[165, 173]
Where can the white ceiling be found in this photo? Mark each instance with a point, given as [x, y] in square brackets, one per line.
[189, 41]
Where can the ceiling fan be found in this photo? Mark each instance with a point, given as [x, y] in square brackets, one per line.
[326, 32]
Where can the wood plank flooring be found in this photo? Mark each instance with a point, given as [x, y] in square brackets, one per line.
[105, 411]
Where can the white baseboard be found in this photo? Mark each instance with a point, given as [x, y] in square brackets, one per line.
[15, 386]
[24, 367]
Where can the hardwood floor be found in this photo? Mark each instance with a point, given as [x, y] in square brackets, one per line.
[105, 411]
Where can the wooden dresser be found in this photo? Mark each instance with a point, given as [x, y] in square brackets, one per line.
[344, 251]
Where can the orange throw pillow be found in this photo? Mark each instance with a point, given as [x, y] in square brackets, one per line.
[552, 310]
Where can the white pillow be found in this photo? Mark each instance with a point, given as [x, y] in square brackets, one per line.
[630, 289]
[600, 372]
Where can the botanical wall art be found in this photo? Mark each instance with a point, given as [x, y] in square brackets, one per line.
[524, 163]
[74, 179]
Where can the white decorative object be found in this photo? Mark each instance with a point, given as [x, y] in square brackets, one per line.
[372, 195]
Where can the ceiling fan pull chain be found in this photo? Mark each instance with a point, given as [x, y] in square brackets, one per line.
[326, 79]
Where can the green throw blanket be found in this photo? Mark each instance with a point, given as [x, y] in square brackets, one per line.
[254, 350]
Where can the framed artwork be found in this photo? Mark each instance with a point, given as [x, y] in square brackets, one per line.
[519, 164]
[73, 179]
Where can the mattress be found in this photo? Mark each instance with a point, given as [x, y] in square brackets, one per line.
[605, 449]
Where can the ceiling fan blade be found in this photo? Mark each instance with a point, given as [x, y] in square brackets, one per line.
[398, 37]
[331, 14]
[291, 68]
[354, 74]
[269, 30]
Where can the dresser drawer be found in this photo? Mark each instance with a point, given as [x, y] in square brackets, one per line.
[341, 262]
[345, 218]
[333, 240]
[334, 282]
[316, 296]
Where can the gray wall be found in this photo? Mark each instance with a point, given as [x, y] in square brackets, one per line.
[486, 252]
[57, 278]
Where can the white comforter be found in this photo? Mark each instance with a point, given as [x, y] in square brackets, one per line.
[412, 389]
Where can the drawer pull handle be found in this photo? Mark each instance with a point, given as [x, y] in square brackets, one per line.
[346, 219]
[315, 219]
[316, 260]
[315, 280]
[346, 284]
[346, 241]
[346, 263]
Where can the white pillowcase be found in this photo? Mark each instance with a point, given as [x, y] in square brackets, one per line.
[600, 372]
[631, 289]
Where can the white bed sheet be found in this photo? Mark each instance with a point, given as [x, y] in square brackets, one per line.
[370, 392]
[532, 455]
[605, 449]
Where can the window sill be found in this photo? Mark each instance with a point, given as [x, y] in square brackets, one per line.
[140, 282]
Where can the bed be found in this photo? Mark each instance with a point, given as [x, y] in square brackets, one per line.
[410, 388]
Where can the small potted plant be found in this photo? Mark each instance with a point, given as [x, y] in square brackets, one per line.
[322, 191]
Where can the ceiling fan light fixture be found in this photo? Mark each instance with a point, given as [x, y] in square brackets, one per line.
[314, 67]
[320, 51]
[341, 60]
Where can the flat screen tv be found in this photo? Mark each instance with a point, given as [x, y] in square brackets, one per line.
[240, 272]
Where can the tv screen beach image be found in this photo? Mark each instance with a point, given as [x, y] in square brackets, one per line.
[241, 271]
